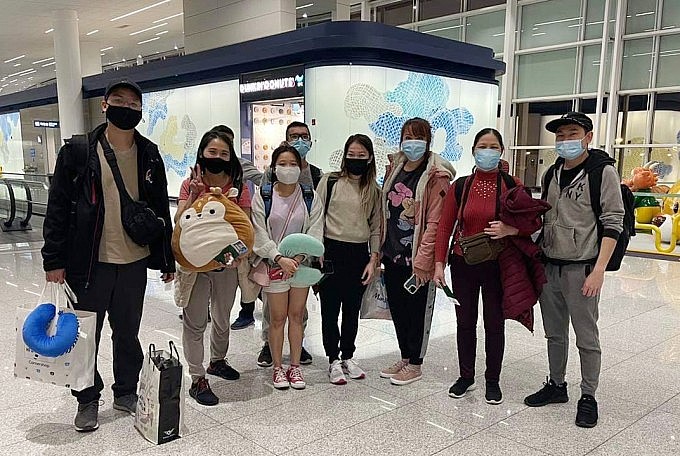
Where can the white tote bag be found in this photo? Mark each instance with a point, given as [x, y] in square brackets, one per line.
[160, 407]
[374, 304]
[74, 369]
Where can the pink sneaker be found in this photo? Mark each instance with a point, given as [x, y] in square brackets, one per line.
[280, 378]
[394, 369]
[295, 378]
[409, 374]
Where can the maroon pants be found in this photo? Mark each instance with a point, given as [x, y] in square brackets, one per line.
[467, 282]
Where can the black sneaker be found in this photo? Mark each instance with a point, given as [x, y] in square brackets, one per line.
[305, 357]
[87, 417]
[222, 369]
[551, 393]
[493, 395]
[127, 403]
[586, 414]
[462, 386]
[265, 358]
[242, 322]
[202, 393]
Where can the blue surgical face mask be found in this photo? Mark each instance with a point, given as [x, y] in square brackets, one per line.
[570, 149]
[302, 146]
[414, 149]
[487, 159]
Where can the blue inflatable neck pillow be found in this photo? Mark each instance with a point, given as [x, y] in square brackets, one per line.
[37, 324]
[302, 244]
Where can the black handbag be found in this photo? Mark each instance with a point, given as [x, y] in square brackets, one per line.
[138, 219]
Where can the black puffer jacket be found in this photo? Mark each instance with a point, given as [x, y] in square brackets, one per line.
[75, 210]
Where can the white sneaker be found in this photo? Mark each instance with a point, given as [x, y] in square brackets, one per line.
[335, 373]
[280, 379]
[351, 368]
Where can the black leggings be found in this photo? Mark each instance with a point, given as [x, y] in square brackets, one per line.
[411, 313]
[343, 289]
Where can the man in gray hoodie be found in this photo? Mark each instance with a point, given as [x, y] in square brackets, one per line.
[577, 252]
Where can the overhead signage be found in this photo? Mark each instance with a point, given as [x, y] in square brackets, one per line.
[273, 84]
[46, 123]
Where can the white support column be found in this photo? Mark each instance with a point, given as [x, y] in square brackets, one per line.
[507, 90]
[597, 140]
[615, 79]
[365, 11]
[69, 78]
[341, 12]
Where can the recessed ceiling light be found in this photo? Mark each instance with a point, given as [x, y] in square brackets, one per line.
[92, 32]
[106, 49]
[150, 28]
[304, 15]
[17, 65]
[43, 60]
[140, 10]
[15, 58]
[176, 47]
[150, 40]
[304, 6]
[48, 64]
[162, 33]
[166, 18]
[102, 53]
[30, 70]
[13, 81]
[49, 30]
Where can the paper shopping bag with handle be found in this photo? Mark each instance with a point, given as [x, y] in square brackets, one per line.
[160, 407]
[54, 343]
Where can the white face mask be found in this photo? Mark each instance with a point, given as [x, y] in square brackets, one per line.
[287, 174]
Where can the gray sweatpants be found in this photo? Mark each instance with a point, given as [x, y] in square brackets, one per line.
[266, 318]
[217, 289]
[561, 300]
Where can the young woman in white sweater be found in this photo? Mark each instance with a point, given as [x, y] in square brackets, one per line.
[288, 215]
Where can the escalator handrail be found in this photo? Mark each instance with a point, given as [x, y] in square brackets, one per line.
[12, 204]
[29, 206]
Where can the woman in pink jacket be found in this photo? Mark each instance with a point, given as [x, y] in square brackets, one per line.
[413, 194]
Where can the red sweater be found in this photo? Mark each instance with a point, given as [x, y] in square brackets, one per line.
[479, 210]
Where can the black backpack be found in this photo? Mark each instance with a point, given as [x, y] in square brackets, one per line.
[266, 193]
[595, 186]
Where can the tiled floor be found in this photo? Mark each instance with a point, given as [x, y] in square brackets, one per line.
[639, 393]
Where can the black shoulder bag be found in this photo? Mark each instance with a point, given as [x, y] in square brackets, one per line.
[138, 219]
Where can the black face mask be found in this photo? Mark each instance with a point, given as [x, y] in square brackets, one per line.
[357, 166]
[123, 117]
[214, 165]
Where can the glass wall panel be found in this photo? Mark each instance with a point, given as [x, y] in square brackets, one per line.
[546, 73]
[476, 4]
[595, 18]
[446, 29]
[670, 18]
[486, 30]
[590, 71]
[398, 13]
[641, 16]
[668, 73]
[552, 22]
[637, 64]
[429, 9]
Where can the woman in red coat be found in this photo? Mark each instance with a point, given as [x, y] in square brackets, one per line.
[478, 213]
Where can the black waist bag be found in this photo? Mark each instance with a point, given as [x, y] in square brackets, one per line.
[139, 221]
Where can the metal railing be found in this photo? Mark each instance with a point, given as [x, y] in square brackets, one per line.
[25, 195]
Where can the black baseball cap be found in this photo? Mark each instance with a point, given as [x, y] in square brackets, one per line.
[570, 118]
[117, 83]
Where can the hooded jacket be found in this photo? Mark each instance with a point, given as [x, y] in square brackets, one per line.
[522, 270]
[570, 232]
[429, 201]
[75, 209]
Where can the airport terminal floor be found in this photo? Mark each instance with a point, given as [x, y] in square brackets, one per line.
[639, 394]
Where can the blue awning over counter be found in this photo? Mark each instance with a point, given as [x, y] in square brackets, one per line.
[330, 43]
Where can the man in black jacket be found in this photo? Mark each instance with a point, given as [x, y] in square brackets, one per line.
[87, 245]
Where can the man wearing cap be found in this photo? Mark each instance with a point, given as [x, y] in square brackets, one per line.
[87, 245]
[576, 259]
